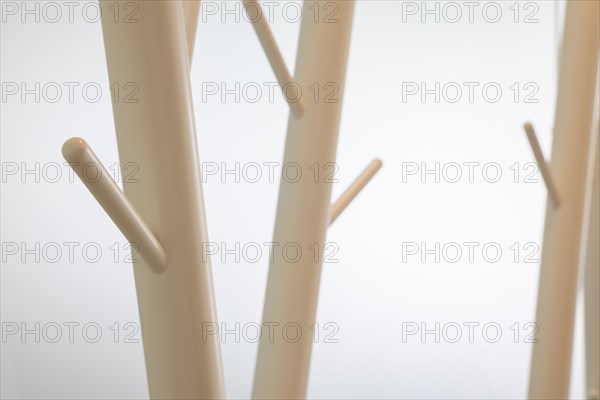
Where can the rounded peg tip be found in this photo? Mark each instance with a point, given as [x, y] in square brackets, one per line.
[74, 148]
[528, 126]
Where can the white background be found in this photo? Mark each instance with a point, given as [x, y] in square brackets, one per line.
[370, 292]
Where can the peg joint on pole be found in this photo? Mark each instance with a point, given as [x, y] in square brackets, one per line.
[267, 40]
[355, 188]
[79, 155]
[542, 164]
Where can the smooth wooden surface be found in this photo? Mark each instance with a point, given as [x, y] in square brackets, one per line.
[157, 133]
[82, 160]
[551, 358]
[303, 210]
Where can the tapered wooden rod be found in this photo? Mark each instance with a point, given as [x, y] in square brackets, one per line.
[542, 164]
[158, 133]
[592, 279]
[191, 12]
[359, 183]
[557, 293]
[261, 26]
[282, 367]
[97, 179]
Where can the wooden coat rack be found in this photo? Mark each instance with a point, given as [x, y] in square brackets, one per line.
[163, 213]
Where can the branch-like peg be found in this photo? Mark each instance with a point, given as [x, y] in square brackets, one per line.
[542, 164]
[267, 40]
[97, 179]
[359, 183]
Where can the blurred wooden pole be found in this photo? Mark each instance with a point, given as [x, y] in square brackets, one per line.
[592, 277]
[551, 358]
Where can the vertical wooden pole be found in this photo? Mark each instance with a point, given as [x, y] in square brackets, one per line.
[592, 279]
[551, 359]
[156, 132]
[303, 211]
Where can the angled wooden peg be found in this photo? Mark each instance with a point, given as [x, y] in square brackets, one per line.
[97, 179]
[267, 40]
[543, 165]
[359, 183]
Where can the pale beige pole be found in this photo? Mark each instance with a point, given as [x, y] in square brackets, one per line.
[551, 358]
[592, 278]
[156, 132]
[303, 211]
